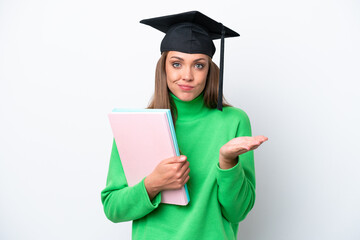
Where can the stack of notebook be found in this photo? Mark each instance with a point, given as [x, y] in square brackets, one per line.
[145, 137]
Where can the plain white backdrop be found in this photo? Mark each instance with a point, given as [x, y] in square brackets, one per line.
[65, 64]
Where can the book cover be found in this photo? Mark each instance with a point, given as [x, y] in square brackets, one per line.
[144, 137]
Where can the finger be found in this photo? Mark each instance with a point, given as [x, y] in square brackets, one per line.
[255, 142]
[254, 147]
[246, 148]
[185, 168]
[185, 173]
[261, 138]
[177, 169]
[181, 180]
[186, 180]
[242, 149]
[177, 159]
[249, 147]
[181, 158]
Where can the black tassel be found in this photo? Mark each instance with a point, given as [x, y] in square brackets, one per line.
[221, 76]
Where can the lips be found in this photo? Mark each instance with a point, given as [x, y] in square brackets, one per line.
[185, 87]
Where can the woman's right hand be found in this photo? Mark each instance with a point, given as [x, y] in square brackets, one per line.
[171, 173]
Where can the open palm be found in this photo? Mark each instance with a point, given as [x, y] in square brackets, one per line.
[240, 145]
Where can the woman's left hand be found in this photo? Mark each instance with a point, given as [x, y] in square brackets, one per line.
[231, 150]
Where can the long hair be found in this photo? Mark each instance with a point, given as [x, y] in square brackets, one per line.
[162, 100]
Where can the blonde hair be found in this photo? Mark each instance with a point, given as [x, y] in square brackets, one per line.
[161, 98]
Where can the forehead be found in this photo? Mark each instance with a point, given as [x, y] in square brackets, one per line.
[187, 56]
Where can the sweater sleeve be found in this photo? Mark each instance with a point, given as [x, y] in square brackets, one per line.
[121, 202]
[236, 192]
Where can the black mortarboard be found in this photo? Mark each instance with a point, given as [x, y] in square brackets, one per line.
[192, 32]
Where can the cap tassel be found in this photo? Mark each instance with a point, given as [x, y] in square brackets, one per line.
[220, 93]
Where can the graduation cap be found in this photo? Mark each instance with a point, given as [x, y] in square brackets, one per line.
[192, 32]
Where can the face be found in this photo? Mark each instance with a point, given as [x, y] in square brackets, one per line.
[186, 74]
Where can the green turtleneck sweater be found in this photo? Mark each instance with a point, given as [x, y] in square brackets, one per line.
[219, 198]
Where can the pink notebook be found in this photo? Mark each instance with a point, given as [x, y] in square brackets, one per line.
[144, 138]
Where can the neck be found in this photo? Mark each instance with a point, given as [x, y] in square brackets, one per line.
[189, 110]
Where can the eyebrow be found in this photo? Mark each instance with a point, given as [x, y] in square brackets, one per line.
[181, 59]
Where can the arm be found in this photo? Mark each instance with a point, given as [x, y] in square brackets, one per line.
[236, 176]
[121, 202]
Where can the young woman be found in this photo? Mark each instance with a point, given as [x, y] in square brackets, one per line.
[216, 145]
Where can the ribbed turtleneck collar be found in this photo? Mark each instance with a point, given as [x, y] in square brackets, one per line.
[190, 110]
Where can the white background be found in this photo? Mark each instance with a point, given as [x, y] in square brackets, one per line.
[65, 64]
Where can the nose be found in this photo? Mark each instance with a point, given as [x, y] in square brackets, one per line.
[187, 74]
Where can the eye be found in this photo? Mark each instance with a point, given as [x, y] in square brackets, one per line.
[199, 66]
[176, 65]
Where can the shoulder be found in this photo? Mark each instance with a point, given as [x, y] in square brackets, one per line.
[234, 113]
[239, 117]
[231, 120]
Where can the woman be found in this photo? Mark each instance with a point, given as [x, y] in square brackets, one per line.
[221, 183]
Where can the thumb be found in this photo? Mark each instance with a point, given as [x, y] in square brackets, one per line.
[181, 158]
[177, 159]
